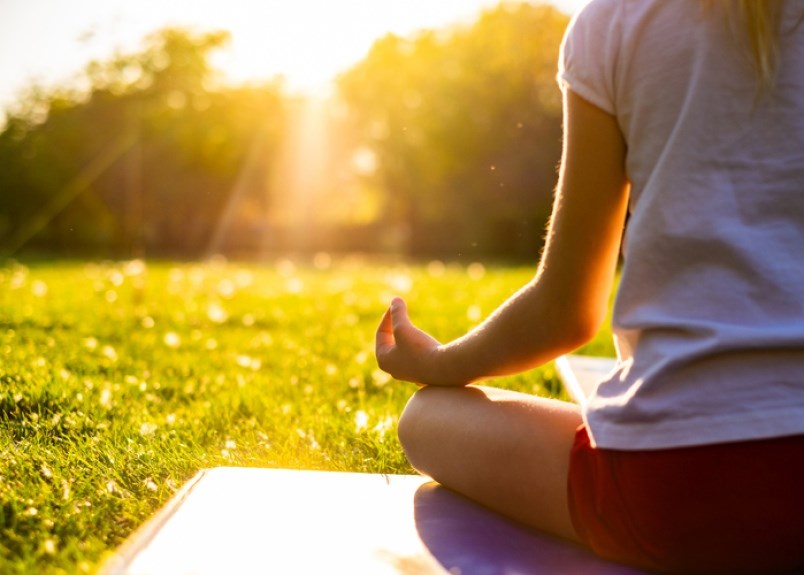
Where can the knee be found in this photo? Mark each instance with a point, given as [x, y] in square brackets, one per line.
[406, 429]
[412, 425]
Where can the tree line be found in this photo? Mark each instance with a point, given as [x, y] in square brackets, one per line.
[441, 143]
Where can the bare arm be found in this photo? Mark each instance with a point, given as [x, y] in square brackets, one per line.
[566, 302]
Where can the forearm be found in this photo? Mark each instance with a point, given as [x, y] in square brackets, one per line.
[528, 330]
[567, 301]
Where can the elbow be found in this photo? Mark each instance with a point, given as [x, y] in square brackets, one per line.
[579, 329]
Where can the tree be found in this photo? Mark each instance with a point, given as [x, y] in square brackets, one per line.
[465, 124]
[144, 158]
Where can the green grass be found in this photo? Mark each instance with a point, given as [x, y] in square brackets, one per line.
[118, 381]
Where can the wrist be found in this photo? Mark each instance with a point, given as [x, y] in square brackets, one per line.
[447, 367]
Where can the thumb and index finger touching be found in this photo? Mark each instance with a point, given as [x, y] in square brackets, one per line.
[395, 317]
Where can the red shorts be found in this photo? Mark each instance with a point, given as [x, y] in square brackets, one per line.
[726, 508]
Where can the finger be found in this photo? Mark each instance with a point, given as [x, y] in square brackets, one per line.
[399, 314]
[385, 331]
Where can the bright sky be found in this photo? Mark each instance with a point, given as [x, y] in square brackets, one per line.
[307, 41]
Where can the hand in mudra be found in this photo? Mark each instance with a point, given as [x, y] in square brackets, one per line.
[403, 350]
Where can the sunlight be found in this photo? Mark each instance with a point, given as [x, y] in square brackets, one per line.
[307, 42]
[299, 174]
[229, 520]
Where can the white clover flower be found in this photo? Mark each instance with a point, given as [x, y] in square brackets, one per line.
[172, 339]
[361, 420]
[39, 288]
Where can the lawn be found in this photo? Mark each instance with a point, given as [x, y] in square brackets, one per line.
[120, 380]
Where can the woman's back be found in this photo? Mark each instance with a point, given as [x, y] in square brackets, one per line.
[710, 313]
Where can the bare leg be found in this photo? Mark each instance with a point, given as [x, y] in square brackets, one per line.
[506, 450]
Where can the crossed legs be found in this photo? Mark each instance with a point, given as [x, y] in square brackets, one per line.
[506, 450]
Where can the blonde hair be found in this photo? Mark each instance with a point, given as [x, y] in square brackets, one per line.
[759, 22]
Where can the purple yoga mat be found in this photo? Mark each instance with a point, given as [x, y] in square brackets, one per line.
[469, 539]
[251, 520]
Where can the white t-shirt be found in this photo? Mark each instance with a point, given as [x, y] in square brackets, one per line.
[709, 316]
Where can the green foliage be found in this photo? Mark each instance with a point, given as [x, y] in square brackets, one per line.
[146, 157]
[458, 130]
[119, 381]
[465, 124]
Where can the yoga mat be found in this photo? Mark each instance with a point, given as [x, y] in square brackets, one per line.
[254, 520]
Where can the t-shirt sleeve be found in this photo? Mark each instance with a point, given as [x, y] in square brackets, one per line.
[588, 54]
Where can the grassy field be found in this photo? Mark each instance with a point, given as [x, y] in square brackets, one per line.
[119, 380]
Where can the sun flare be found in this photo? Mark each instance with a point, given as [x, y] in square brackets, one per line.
[307, 42]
